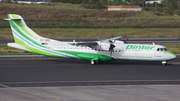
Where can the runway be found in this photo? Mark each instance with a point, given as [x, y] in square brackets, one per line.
[28, 72]
[53, 79]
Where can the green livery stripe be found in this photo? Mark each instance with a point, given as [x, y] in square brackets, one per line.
[22, 34]
[35, 50]
[11, 23]
[30, 48]
[82, 55]
[88, 56]
[18, 22]
[27, 38]
[169, 52]
[14, 16]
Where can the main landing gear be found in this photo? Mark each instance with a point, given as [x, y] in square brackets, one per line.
[164, 63]
[93, 62]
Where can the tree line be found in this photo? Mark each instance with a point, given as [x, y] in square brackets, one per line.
[110, 2]
[170, 5]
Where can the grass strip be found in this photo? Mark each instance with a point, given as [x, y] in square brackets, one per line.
[100, 32]
[6, 50]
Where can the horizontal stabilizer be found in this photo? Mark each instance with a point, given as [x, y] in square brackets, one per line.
[15, 45]
[12, 19]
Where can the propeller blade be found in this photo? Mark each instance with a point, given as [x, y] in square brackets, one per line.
[111, 49]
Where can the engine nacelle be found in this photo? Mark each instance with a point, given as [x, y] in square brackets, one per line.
[118, 42]
[102, 46]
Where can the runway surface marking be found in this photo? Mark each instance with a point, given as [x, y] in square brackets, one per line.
[30, 93]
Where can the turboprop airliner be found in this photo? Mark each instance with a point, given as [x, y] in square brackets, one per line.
[95, 51]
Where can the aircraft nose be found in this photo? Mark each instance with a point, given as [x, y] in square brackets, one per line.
[173, 56]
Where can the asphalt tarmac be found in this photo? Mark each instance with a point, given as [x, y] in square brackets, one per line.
[53, 79]
[24, 72]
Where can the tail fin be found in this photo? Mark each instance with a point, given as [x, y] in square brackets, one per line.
[19, 28]
[28, 40]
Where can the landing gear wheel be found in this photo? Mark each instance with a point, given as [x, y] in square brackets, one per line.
[164, 63]
[93, 62]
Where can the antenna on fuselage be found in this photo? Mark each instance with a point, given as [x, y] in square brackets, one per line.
[153, 43]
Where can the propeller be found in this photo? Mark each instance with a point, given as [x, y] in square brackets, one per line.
[111, 47]
[111, 42]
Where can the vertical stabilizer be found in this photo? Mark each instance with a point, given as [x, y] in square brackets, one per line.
[27, 39]
[19, 28]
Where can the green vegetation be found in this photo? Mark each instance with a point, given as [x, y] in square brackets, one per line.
[61, 15]
[99, 32]
[173, 48]
[83, 20]
[168, 7]
[106, 33]
[5, 50]
[144, 20]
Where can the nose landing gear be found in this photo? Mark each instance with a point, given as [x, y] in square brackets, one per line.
[164, 63]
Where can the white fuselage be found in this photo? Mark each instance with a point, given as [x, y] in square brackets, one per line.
[144, 52]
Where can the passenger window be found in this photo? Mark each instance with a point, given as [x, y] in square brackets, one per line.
[158, 49]
[161, 49]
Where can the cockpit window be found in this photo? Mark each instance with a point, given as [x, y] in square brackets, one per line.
[162, 49]
[165, 49]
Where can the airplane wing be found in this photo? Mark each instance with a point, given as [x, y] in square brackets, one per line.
[116, 38]
[112, 39]
[84, 43]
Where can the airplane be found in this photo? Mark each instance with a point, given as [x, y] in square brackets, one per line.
[96, 52]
